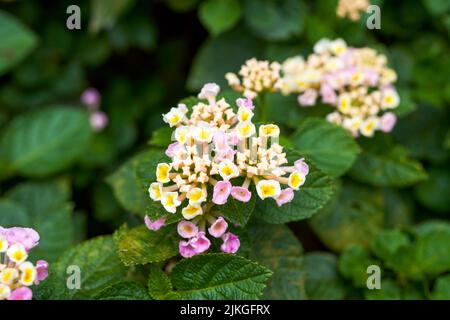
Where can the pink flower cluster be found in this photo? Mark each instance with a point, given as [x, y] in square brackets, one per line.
[91, 99]
[16, 273]
[221, 149]
[194, 234]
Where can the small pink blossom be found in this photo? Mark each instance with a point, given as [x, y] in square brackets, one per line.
[222, 191]
[218, 228]
[91, 98]
[187, 229]
[41, 270]
[200, 242]
[387, 122]
[302, 166]
[286, 195]
[171, 149]
[154, 225]
[328, 94]
[22, 293]
[28, 237]
[220, 141]
[99, 120]
[186, 249]
[241, 194]
[308, 98]
[245, 102]
[231, 243]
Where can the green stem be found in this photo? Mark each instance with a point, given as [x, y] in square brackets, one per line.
[263, 107]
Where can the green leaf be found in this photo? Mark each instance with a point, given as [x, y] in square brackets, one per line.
[141, 246]
[387, 242]
[322, 279]
[17, 41]
[275, 20]
[159, 285]
[441, 289]
[99, 265]
[353, 217]
[219, 276]
[47, 141]
[238, 212]
[161, 137]
[432, 249]
[331, 148]
[430, 192]
[353, 264]
[127, 182]
[222, 54]
[382, 164]
[437, 7]
[13, 214]
[398, 209]
[389, 291]
[125, 290]
[49, 212]
[219, 15]
[280, 252]
[311, 197]
[104, 14]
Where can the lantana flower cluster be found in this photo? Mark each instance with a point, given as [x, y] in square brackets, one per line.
[17, 274]
[219, 153]
[351, 9]
[257, 76]
[356, 81]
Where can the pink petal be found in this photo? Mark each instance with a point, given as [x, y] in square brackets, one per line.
[156, 225]
[286, 195]
[183, 233]
[200, 242]
[22, 293]
[42, 270]
[302, 166]
[231, 243]
[186, 249]
[222, 190]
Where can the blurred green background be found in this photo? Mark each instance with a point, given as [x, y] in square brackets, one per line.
[145, 56]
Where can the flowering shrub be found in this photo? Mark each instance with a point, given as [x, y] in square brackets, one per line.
[302, 161]
[16, 273]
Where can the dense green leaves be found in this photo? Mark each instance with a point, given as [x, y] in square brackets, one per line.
[441, 289]
[430, 192]
[159, 285]
[353, 217]
[106, 13]
[331, 148]
[17, 41]
[275, 20]
[219, 15]
[42, 143]
[141, 246]
[281, 252]
[353, 264]
[125, 290]
[96, 263]
[383, 164]
[219, 276]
